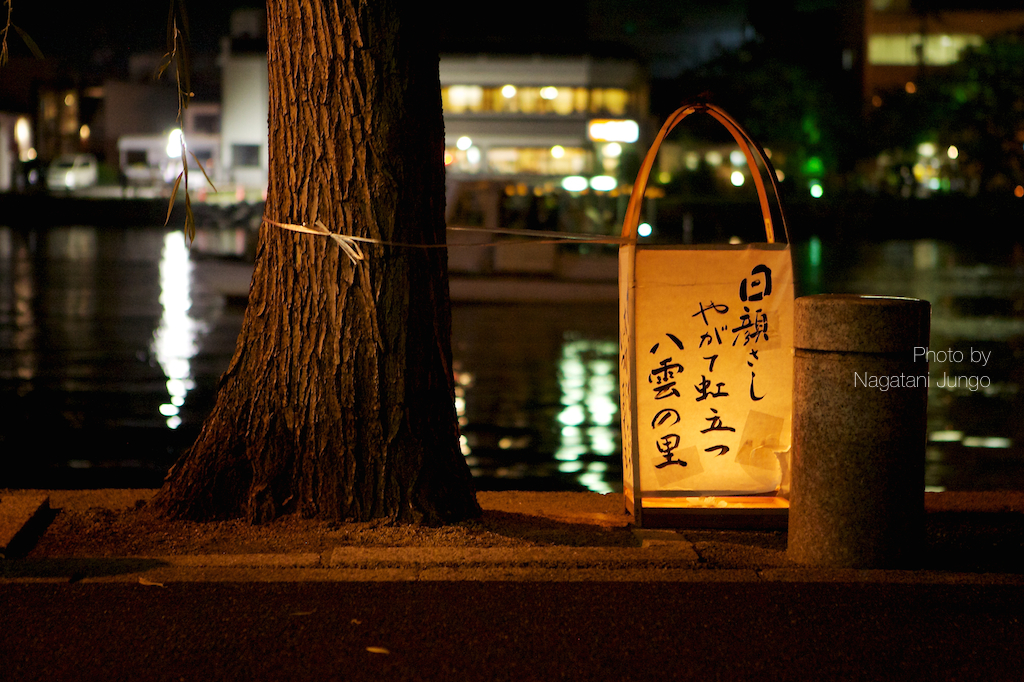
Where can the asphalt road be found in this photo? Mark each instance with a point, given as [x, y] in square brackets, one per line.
[510, 631]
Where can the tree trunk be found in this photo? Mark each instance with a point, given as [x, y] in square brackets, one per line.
[339, 400]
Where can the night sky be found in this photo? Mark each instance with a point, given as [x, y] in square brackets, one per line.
[101, 36]
[102, 32]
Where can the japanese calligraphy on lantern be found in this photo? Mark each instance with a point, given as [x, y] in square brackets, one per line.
[712, 379]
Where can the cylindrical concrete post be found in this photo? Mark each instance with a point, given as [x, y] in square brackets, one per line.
[860, 400]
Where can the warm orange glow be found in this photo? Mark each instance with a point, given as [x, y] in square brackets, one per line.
[449, 158]
[1018, 191]
[911, 88]
[717, 502]
[611, 130]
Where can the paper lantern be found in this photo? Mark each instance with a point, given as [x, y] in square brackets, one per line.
[706, 368]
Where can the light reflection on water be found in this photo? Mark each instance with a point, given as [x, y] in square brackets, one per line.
[588, 422]
[100, 332]
[175, 339]
[112, 342]
[537, 395]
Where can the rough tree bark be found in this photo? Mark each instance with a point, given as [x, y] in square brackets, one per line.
[339, 400]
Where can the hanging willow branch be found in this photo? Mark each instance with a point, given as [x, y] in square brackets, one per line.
[6, 30]
[178, 54]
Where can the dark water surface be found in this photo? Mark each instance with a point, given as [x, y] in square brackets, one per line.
[112, 342]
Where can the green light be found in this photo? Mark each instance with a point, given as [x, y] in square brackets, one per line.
[814, 166]
[816, 189]
[810, 127]
[814, 251]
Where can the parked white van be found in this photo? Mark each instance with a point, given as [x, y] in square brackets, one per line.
[72, 171]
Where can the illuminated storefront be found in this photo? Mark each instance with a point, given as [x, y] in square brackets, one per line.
[539, 116]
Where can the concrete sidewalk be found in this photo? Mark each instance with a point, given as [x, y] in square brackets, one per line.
[972, 538]
[544, 586]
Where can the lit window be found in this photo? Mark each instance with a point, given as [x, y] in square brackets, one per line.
[563, 103]
[537, 160]
[912, 49]
[530, 101]
[505, 99]
[613, 101]
[23, 137]
[612, 150]
[580, 100]
[457, 99]
[561, 100]
[607, 130]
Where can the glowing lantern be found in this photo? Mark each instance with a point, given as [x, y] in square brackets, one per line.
[706, 368]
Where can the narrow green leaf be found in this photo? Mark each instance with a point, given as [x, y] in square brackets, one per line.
[170, 26]
[208, 180]
[190, 220]
[174, 195]
[165, 61]
[184, 19]
[29, 43]
[184, 70]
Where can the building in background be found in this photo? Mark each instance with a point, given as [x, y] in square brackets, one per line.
[529, 126]
[540, 141]
[901, 42]
[245, 94]
[154, 159]
[539, 117]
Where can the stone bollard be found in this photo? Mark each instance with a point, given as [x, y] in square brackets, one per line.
[860, 405]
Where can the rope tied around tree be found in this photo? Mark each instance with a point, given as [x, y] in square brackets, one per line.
[350, 244]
